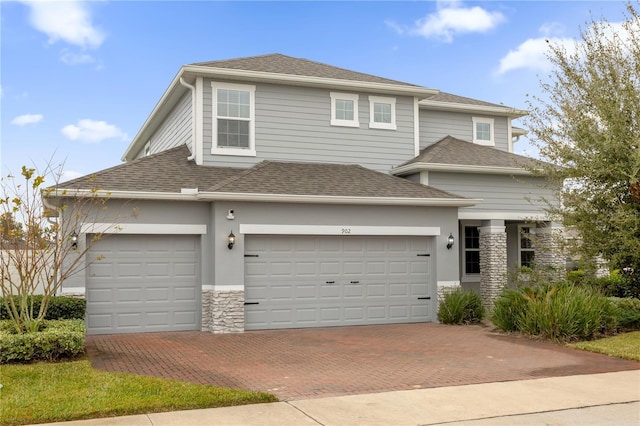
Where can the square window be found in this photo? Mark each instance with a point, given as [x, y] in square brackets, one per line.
[344, 109]
[382, 113]
[483, 131]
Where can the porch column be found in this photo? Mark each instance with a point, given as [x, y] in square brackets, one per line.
[493, 260]
[549, 256]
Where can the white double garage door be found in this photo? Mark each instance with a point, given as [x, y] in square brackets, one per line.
[151, 283]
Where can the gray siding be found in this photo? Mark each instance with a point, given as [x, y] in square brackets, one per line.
[434, 125]
[500, 193]
[293, 124]
[175, 129]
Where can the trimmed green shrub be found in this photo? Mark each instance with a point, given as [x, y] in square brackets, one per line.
[628, 313]
[59, 339]
[618, 285]
[508, 308]
[561, 312]
[60, 307]
[461, 307]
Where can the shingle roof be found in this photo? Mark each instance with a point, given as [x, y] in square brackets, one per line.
[450, 150]
[270, 177]
[170, 171]
[167, 171]
[282, 64]
[449, 97]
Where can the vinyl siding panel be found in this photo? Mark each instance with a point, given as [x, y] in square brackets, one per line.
[293, 124]
[175, 129]
[500, 193]
[434, 125]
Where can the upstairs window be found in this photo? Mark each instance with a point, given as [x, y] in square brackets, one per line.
[471, 250]
[483, 131]
[526, 251]
[344, 109]
[233, 119]
[382, 113]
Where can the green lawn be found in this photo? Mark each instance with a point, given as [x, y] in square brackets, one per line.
[626, 345]
[53, 392]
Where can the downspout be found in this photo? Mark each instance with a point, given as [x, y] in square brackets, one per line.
[193, 117]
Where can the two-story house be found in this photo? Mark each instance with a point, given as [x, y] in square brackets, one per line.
[278, 192]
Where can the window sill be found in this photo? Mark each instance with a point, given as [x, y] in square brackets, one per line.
[383, 126]
[484, 143]
[239, 152]
[345, 123]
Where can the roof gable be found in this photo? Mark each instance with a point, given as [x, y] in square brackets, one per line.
[319, 179]
[282, 64]
[453, 151]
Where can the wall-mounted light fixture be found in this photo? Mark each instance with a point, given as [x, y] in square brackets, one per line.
[450, 241]
[74, 241]
[231, 239]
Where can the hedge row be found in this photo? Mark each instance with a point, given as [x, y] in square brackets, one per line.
[60, 339]
[60, 307]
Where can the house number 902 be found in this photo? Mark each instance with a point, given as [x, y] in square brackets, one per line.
[346, 230]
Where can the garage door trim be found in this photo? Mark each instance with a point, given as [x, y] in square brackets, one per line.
[266, 229]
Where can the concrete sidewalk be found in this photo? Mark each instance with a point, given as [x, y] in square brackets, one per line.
[596, 399]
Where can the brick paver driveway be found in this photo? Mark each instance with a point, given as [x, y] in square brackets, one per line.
[319, 362]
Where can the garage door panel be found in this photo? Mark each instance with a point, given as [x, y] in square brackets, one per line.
[308, 268]
[328, 268]
[328, 247]
[157, 294]
[185, 270]
[354, 313]
[184, 294]
[343, 280]
[152, 284]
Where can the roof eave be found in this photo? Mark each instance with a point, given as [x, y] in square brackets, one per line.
[169, 97]
[134, 195]
[482, 109]
[308, 81]
[332, 199]
[457, 168]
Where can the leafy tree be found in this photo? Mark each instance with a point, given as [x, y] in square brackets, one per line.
[38, 250]
[588, 129]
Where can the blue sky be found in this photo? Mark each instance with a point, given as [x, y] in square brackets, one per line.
[78, 79]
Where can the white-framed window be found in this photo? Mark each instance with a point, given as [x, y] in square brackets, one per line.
[483, 131]
[526, 249]
[147, 149]
[471, 250]
[382, 113]
[233, 125]
[344, 109]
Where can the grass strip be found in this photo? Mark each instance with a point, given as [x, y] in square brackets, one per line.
[54, 392]
[626, 345]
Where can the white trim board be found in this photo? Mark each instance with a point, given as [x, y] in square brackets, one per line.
[479, 215]
[263, 229]
[143, 228]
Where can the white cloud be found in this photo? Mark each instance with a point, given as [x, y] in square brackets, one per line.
[69, 21]
[452, 18]
[69, 175]
[23, 120]
[531, 54]
[92, 131]
[71, 58]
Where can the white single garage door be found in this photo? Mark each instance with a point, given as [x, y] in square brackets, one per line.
[143, 283]
[319, 281]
